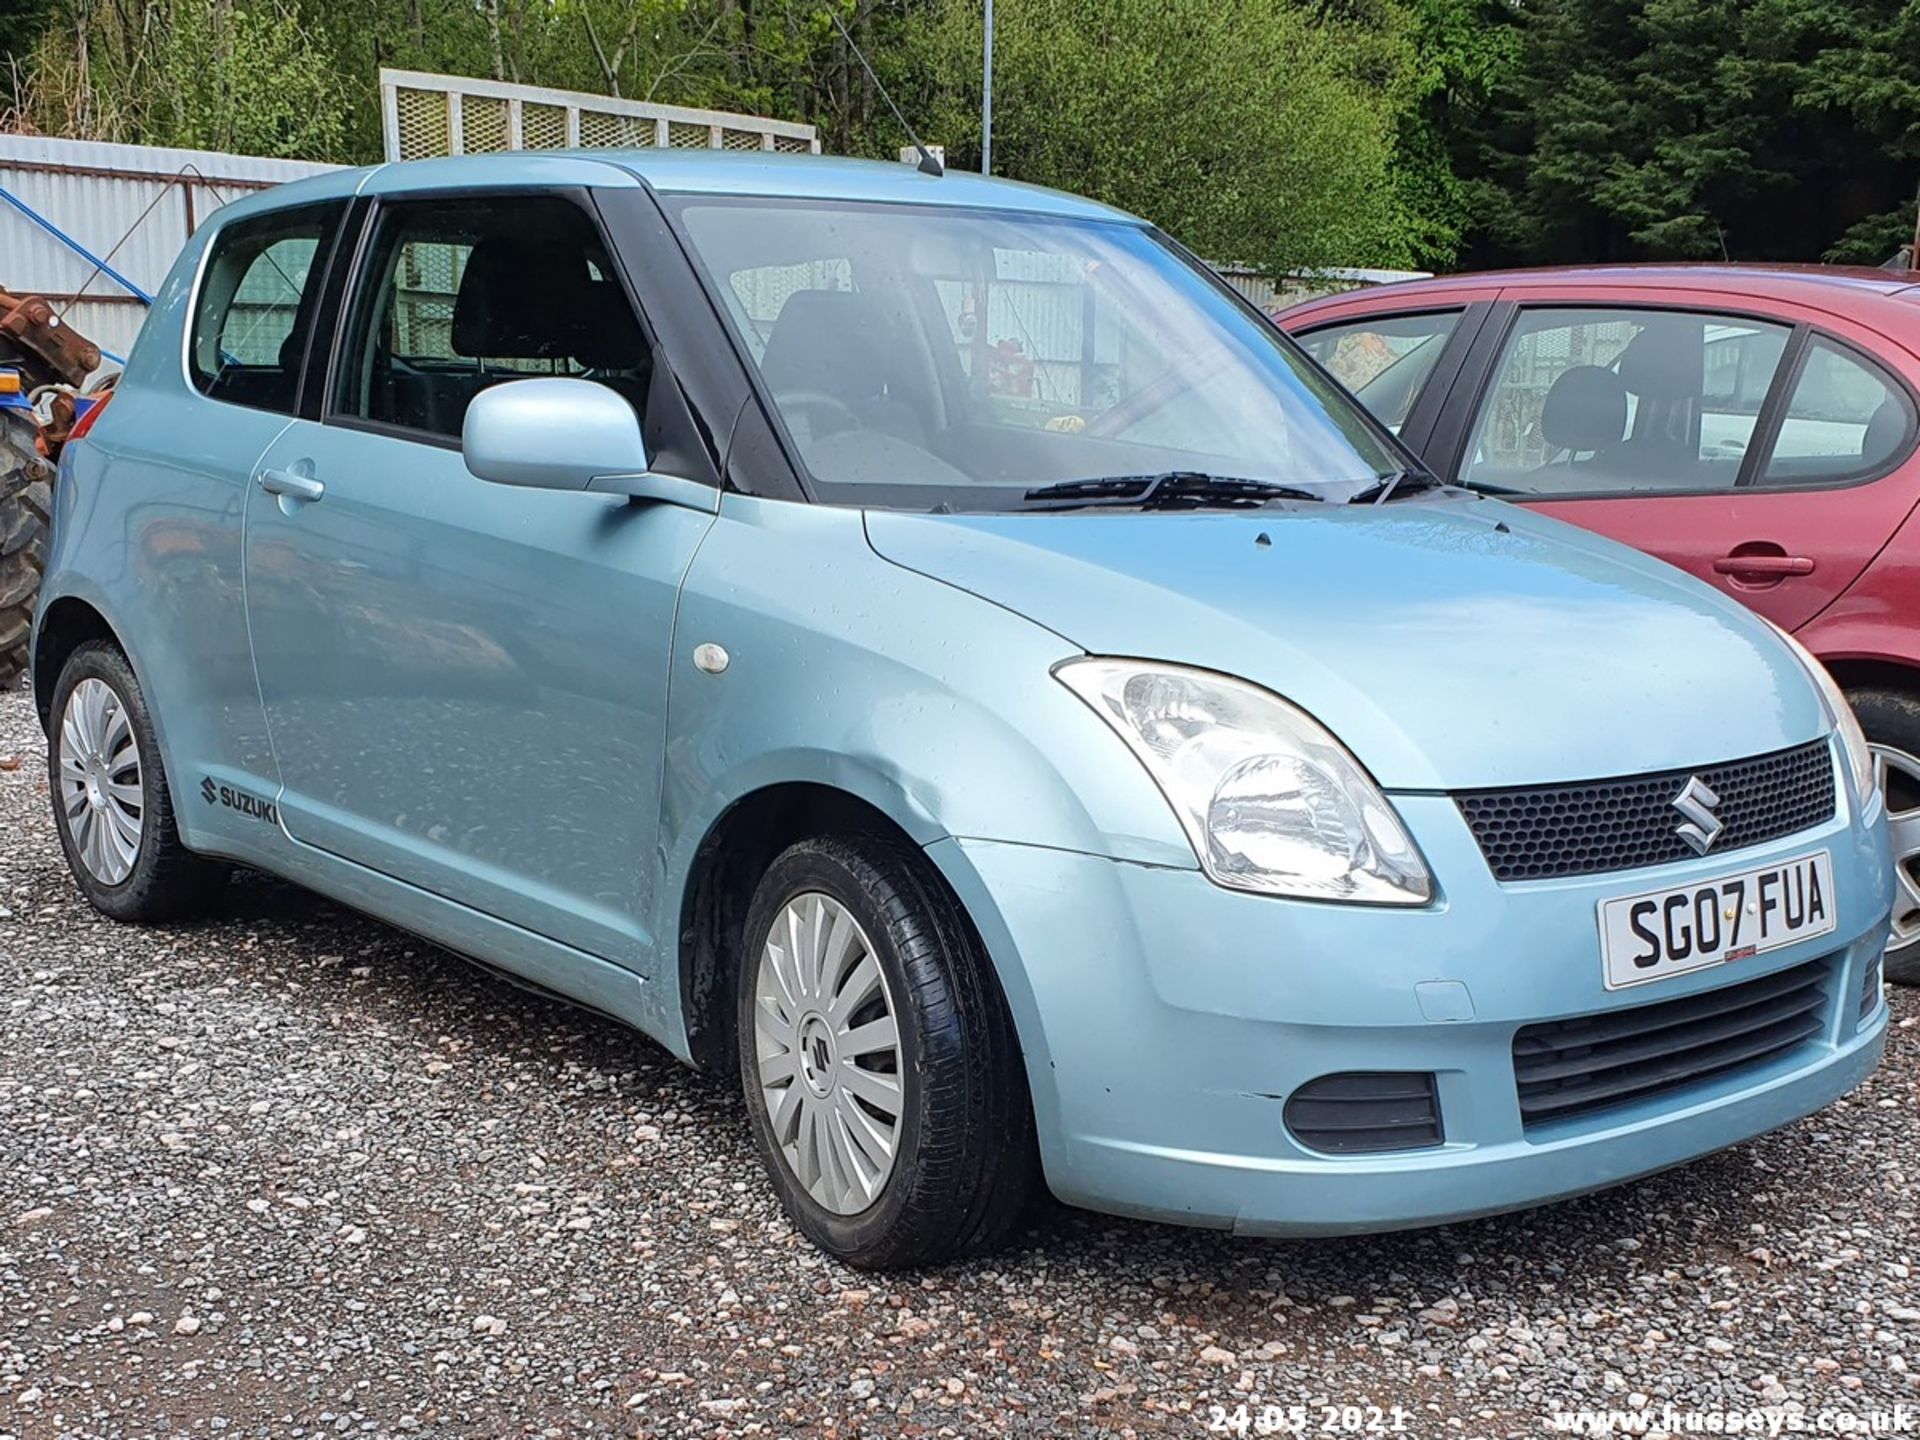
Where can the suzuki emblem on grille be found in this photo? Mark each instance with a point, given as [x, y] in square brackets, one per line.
[1699, 827]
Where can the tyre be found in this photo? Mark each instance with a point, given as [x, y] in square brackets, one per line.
[24, 515]
[883, 1078]
[1891, 719]
[111, 805]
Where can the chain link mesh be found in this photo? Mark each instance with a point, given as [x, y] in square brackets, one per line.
[600, 130]
[420, 115]
[423, 124]
[543, 127]
[483, 125]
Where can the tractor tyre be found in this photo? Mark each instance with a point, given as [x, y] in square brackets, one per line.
[26, 501]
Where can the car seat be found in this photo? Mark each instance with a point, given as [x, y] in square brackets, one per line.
[840, 344]
[1585, 411]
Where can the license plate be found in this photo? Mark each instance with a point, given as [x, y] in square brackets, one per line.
[1669, 932]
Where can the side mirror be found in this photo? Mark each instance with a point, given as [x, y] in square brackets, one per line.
[551, 434]
[556, 433]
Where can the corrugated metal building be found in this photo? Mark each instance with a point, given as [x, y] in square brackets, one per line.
[132, 206]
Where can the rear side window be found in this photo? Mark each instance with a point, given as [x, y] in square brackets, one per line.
[253, 319]
[457, 295]
[1845, 420]
[1384, 360]
[1596, 401]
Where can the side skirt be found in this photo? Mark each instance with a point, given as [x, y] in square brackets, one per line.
[519, 955]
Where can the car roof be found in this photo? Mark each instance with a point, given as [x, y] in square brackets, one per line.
[692, 172]
[1851, 290]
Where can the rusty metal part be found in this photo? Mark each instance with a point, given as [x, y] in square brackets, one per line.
[54, 351]
[57, 421]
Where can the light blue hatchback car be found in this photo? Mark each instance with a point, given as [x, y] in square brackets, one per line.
[924, 645]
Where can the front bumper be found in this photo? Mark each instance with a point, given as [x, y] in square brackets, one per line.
[1166, 1020]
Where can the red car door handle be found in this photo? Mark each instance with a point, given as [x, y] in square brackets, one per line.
[1770, 566]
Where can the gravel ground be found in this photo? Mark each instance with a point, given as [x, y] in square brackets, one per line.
[294, 1173]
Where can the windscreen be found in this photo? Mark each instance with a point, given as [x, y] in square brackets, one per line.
[935, 357]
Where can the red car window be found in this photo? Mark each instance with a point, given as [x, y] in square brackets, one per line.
[1845, 419]
[1595, 401]
[1384, 360]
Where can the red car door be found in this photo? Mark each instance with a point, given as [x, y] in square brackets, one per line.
[1751, 447]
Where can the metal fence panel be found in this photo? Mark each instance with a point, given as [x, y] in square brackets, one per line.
[424, 115]
[1273, 293]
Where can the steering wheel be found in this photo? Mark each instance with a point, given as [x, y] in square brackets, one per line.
[819, 405]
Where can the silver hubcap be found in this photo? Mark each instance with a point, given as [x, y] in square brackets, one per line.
[1899, 775]
[828, 1052]
[100, 781]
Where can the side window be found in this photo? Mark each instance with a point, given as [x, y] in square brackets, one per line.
[457, 295]
[1383, 360]
[254, 314]
[1845, 420]
[1596, 401]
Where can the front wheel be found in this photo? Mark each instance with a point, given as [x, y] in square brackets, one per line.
[882, 1074]
[1891, 720]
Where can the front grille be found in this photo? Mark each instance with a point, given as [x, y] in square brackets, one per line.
[1546, 831]
[1570, 1067]
[1365, 1112]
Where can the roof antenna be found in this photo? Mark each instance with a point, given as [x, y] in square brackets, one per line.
[928, 165]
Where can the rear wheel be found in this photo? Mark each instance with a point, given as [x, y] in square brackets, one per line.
[25, 506]
[882, 1074]
[111, 805]
[1891, 719]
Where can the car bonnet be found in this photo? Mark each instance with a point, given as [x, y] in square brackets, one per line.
[1449, 643]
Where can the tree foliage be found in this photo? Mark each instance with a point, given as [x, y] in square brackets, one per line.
[1238, 125]
[1284, 133]
[1746, 129]
[1260, 130]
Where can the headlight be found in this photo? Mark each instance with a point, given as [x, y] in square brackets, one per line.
[1853, 740]
[1270, 800]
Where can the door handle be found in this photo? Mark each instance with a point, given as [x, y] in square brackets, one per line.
[1767, 567]
[296, 487]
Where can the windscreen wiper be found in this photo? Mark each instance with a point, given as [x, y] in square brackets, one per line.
[1400, 482]
[1173, 490]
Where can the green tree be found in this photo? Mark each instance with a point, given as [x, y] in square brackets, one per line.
[1461, 53]
[223, 76]
[1746, 129]
[1238, 125]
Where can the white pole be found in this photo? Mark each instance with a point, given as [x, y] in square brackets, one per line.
[986, 101]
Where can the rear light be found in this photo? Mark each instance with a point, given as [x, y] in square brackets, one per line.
[85, 422]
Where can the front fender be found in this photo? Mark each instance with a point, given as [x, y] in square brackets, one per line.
[930, 704]
[934, 705]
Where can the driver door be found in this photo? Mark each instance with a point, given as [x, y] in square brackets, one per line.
[465, 683]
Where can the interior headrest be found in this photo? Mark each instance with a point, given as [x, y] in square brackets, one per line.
[517, 301]
[832, 340]
[1666, 360]
[531, 298]
[1585, 409]
[1885, 432]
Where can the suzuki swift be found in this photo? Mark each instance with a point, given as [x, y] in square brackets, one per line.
[923, 646]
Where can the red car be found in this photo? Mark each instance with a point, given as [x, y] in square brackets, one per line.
[1757, 427]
